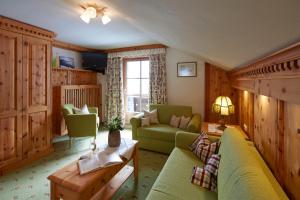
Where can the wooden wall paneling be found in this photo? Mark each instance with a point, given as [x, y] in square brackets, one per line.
[277, 75]
[73, 77]
[265, 128]
[280, 142]
[135, 48]
[292, 149]
[11, 93]
[36, 93]
[216, 84]
[73, 47]
[276, 117]
[246, 112]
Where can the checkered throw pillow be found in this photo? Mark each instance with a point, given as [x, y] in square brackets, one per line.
[212, 164]
[201, 140]
[205, 152]
[204, 179]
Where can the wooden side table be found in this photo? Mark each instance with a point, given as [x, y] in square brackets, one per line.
[211, 129]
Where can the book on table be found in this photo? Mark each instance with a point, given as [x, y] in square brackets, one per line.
[97, 161]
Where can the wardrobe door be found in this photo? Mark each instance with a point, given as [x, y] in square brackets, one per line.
[11, 97]
[36, 95]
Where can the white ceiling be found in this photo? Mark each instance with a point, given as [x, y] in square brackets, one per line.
[228, 32]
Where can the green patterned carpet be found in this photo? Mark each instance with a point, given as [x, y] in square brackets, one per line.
[31, 181]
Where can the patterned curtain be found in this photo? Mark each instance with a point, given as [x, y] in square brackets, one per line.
[158, 79]
[114, 89]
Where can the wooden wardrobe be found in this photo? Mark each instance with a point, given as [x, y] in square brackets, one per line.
[25, 93]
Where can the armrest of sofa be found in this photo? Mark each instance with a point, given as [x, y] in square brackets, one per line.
[184, 139]
[194, 125]
[81, 125]
[135, 122]
[93, 110]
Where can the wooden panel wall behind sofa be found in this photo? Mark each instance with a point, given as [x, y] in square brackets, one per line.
[276, 116]
[216, 84]
[292, 149]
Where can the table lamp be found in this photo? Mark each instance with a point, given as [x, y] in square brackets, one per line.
[224, 107]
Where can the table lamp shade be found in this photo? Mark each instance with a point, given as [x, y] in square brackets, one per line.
[223, 106]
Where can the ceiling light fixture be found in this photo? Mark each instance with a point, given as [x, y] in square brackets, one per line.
[105, 19]
[92, 11]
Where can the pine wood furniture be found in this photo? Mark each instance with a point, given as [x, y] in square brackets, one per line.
[25, 90]
[218, 133]
[67, 184]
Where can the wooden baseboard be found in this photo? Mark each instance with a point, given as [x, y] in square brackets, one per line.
[11, 167]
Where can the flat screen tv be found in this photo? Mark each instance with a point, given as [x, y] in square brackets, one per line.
[94, 61]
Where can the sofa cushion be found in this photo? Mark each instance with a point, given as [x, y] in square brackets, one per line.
[213, 164]
[174, 180]
[184, 121]
[158, 131]
[201, 140]
[145, 121]
[174, 122]
[204, 178]
[165, 112]
[152, 115]
[205, 152]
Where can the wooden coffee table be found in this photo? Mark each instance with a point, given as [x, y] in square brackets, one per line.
[67, 183]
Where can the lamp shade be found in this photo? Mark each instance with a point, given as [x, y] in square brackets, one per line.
[105, 19]
[223, 106]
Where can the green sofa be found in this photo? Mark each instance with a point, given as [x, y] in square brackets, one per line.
[161, 137]
[242, 172]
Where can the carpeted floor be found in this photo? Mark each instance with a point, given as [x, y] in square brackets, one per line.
[31, 182]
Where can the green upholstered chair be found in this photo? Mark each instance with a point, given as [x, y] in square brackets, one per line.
[81, 125]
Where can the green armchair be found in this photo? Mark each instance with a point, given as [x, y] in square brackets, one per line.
[81, 125]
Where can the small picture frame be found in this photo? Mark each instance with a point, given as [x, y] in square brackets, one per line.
[66, 62]
[187, 69]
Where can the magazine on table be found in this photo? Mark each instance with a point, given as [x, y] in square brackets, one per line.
[97, 161]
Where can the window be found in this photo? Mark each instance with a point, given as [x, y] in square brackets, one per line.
[136, 84]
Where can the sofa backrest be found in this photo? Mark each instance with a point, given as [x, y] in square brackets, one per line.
[240, 175]
[165, 112]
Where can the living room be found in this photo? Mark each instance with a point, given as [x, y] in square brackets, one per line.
[110, 99]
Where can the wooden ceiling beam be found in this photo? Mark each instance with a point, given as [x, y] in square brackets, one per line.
[135, 48]
[74, 47]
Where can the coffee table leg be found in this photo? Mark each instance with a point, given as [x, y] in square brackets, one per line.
[136, 162]
[53, 191]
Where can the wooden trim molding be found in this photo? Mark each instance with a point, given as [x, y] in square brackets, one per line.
[285, 62]
[277, 75]
[135, 48]
[74, 47]
[26, 29]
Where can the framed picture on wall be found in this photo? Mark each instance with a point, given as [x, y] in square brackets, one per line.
[66, 62]
[187, 69]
